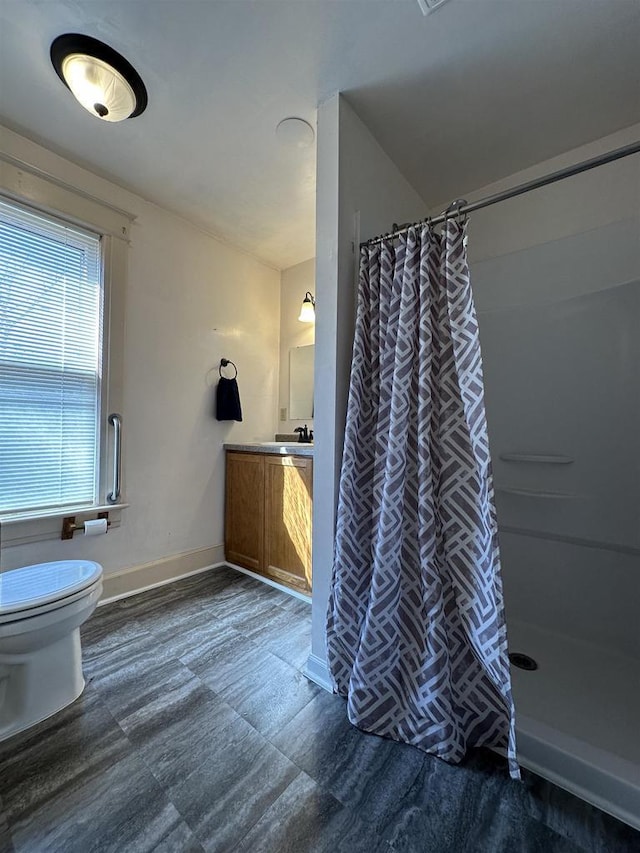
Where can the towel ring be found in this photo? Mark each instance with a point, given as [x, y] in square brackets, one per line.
[223, 363]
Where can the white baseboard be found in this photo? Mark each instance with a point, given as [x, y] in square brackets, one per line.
[292, 592]
[150, 575]
[316, 670]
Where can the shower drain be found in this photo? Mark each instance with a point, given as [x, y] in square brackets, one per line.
[522, 661]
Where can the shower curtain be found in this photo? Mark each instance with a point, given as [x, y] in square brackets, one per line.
[416, 631]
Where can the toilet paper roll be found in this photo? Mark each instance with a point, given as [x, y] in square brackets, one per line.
[95, 527]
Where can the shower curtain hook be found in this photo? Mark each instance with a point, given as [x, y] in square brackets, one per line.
[453, 211]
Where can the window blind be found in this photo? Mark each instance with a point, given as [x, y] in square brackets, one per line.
[50, 361]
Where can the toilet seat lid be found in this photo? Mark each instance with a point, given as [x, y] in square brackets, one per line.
[32, 586]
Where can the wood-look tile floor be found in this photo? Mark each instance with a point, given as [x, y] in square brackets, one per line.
[197, 731]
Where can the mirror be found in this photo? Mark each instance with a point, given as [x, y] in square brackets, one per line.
[301, 382]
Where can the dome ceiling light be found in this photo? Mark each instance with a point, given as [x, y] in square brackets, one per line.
[100, 78]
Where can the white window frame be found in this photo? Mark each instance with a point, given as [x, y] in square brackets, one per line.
[46, 195]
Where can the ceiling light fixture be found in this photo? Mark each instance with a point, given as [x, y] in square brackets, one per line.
[308, 310]
[100, 78]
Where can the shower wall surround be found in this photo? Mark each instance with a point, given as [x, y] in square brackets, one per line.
[556, 277]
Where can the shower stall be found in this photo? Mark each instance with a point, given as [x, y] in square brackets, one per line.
[556, 278]
[555, 273]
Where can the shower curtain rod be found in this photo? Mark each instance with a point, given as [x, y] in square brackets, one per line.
[460, 206]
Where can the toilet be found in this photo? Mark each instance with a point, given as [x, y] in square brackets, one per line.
[41, 610]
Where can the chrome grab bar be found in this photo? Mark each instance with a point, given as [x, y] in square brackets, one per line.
[116, 421]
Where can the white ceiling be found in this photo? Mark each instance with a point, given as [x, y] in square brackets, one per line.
[468, 94]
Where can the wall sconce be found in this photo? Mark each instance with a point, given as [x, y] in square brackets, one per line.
[100, 79]
[308, 310]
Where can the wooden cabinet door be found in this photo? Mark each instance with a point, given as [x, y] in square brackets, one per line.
[244, 510]
[288, 501]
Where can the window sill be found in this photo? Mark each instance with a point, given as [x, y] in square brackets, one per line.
[26, 527]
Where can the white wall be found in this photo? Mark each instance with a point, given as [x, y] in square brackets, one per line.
[556, 277]
[360, 193]
[190, 300]
[294, 283]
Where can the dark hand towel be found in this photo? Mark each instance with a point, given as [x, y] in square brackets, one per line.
[228, 400]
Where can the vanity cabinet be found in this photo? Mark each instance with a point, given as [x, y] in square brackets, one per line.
[268, 515]
[244, 510]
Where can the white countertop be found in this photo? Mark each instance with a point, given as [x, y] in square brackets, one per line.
[279, 448]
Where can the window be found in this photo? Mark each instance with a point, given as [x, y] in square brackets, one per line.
[51, 312]
[63, 275]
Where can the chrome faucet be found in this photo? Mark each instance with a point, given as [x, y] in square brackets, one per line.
[305, 436]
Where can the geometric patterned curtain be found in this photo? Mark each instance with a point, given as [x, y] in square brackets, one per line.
[416, 631]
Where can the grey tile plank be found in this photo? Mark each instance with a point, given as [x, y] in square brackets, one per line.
[82, 739]
[509, 831]
[103, 623]
[148, 601]
[74, 783]
[362, 771]
[167, 603]
[169, 617]
[305, 819]
[462, 807]
[182, 729]
[284, 633]
[262, 688]
[235, 603]
[111, 644]
[132, 674]
[268, 692]
[6, 843]
[119, 808]
[295, 606]
[414, 801]
[205, 587]
[231, 659]
[514, 834]
[209, 582]
[274, 624]
[230, 792]
[292, 645]
[589, 828]
[199, 638]
[281, 598]
[140, 687]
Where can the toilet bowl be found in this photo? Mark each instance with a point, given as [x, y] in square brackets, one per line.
[41, 610]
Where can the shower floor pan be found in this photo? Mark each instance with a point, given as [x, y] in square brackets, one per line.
[578, 718]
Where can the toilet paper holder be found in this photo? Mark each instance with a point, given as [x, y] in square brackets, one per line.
[69, 525]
